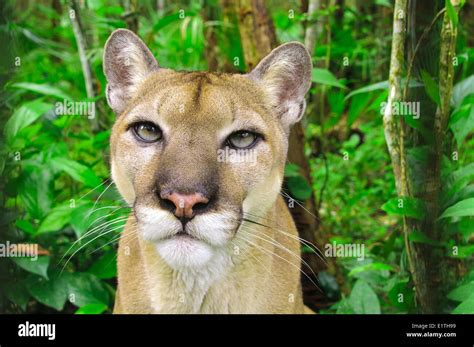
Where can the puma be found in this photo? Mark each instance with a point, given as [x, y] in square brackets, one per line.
[207, 233]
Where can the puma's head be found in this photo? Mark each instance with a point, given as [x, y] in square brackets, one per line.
[193, 152]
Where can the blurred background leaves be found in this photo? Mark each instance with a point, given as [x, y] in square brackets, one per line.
[56, 189]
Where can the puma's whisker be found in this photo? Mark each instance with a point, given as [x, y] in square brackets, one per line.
[248, 230]
[276, 255]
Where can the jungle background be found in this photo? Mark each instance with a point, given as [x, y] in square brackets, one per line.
[399, 185]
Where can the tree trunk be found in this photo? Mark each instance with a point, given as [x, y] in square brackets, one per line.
[313, 27]
[390, 121]
[431, 266]
[209, 13]
[256, 29]
[258, 38]
[428, 265]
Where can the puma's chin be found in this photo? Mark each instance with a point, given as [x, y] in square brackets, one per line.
[183, 251]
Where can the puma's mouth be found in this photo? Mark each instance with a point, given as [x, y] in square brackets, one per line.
[214, 228]
[182, 234]
[191, 245]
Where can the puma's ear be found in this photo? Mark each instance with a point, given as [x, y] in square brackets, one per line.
[286, 76]
[127, 61]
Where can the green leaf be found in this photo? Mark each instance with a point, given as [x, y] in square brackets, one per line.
[292, 170]
[36, 192]
[166, 20]
[79, 172]
[37, 266]
[363, 299]
[26, 226]
[299, 188]
[452, 14]
[55, 220]
[379, 86]
[24, 116]
[336, 103]
[324, 76]
[106, 266]
[464, 173]
[401, 295]
[17, 294]
[464, 252]
[466, 307]
[45, 89]
[358, 104]
[52, 293]
[462, 292]
[370, 88]
[385, 3]
[92, 309]
[419, 237]
[461, 90]
[81, 218]
[431, 87]
[461, 121]
[371, 267]
[405, 206]
[85, 289]
[461, 209]
[465, 226]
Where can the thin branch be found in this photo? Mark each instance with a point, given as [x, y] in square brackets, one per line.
[86, 68]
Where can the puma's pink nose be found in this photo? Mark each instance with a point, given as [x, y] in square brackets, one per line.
[185, 203]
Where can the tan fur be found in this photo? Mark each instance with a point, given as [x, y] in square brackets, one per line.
[234, 266]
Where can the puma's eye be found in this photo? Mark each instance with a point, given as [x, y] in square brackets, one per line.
[242, 139]
[147, 131]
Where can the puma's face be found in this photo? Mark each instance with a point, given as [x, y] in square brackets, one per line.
[193, 152]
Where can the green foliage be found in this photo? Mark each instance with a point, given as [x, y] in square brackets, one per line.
[460, 209]
[363, 299]
[37, 266]
[463, 295]
[56, 184]
[324, 76]
[431, 87]
[56, 189]
[299, 187]
[452, 13]
[24, 116]
[405, 206]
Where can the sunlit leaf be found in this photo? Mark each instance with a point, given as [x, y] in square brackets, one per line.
[37, 266]
[461, 209]
[323, 76]
[466, 307]
[92, 309]
[405, 206]
[45, 89]
[55, 220]
[24, 116]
